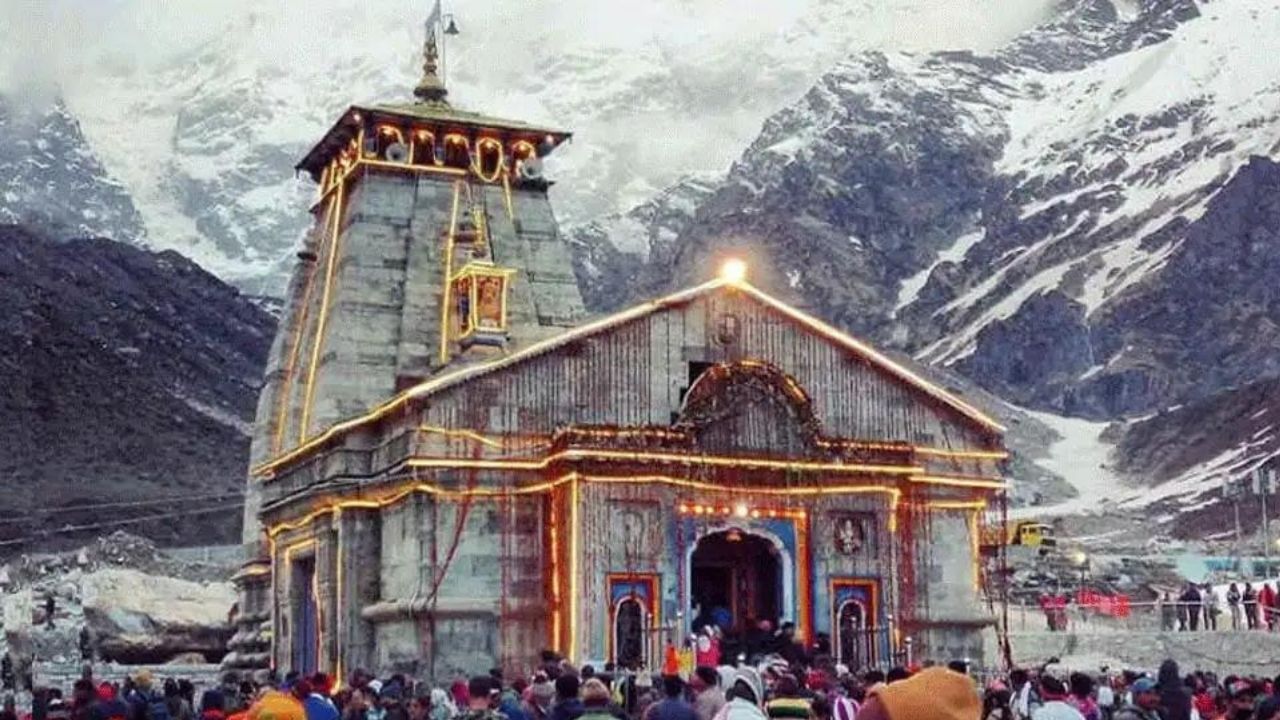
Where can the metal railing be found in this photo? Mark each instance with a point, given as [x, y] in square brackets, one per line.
[1141, 617]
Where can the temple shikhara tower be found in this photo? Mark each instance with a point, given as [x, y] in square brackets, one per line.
[453, 468]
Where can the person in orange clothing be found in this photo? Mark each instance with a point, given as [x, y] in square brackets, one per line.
[275, 705]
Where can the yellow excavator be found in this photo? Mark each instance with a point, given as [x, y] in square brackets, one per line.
[1021, 533]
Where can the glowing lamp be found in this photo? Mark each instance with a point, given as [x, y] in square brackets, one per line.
[741, 510]
[733, 270]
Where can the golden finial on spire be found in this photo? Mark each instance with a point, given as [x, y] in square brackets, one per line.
[430, 88]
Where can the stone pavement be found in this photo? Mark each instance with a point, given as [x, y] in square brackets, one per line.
[1222, 651]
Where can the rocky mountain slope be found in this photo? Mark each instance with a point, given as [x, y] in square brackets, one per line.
[1082, 222]
[201, 123]
[130, 380]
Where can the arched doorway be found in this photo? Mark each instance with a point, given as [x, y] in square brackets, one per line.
[630, 630]
[736, 578]
[853, 639]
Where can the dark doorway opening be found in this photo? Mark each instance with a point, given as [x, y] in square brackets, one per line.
[855, 642]
[629, 634]
[306, 616]
[736, 580]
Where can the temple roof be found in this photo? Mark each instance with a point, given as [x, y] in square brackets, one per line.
[439, 114]
[849, 343]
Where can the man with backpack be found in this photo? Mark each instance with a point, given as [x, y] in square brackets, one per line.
[146, 702]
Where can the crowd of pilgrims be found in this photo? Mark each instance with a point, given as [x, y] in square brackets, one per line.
[773, 689]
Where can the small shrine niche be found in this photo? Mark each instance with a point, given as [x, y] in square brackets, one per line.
[480, 303]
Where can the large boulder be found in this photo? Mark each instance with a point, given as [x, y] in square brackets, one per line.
[137, 618]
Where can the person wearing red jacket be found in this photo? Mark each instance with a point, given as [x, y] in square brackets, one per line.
[1267, 606]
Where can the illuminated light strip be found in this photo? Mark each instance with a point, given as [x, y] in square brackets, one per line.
[664, 433]
[575, 568]
[533, 350]
[755, 513]
[553, 532]
[436, 169]
[674, 458]
[956, 505]
[970, 482]
[795, 491]
[805, 609]
[477, 163]
[546, 486]
[287, 382]
[448, 275]
[426, 489]
[976, 550]
[964, 454]
[275, 603]
[506, 194]
[339, 644]
[318, 343]
[463, 434]
[870, 353]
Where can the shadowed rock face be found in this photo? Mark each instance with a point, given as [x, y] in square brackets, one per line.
[128, 377]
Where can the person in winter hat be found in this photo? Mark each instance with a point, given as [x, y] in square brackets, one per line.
[1056, 701]
[746, 697]
[595, 700]
[931, 694]
[1146, 702]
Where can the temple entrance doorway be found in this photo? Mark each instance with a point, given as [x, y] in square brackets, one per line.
[736, 580]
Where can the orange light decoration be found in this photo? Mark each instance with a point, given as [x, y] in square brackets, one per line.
[804, 609]
[741, 511]
[975, 481]
[322, 320]
[575, 569]
[412, 168]
[338, 602]
[448, 271]
[431, 386]
[553, 532]
[660, 457]
[461, 434]
[477, 162]
[963, 454]
[334, 505]
[976, 552]
[295, 350]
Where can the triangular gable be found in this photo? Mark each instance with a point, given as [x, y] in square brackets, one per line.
[602, 325]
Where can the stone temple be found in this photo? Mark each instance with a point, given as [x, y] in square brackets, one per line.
[454, 469]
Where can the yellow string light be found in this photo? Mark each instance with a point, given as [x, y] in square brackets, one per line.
[322, 320]
[962, 481]
[660, 457]
[575, 569]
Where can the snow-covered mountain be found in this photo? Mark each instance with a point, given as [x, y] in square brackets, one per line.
[1069, 202]
[199, 112]
[1083, 222]
[51, 178]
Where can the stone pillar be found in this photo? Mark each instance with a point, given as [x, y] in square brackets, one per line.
[358, 564]
[250, 646]
[953, 625]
